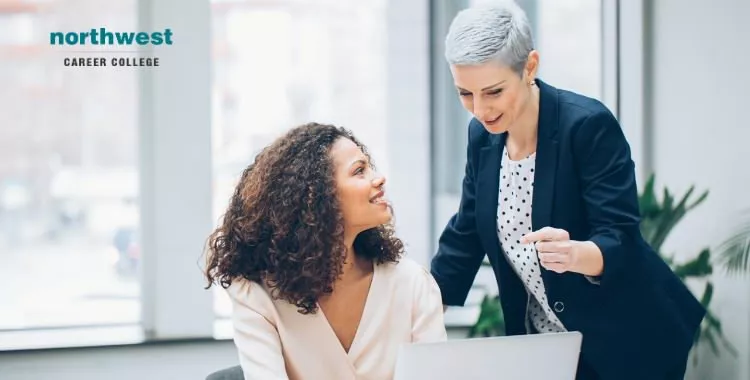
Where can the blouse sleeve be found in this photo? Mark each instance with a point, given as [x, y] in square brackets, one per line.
[427, 313]
[257, 341]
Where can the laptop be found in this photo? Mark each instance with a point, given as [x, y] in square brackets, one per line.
[538, 356]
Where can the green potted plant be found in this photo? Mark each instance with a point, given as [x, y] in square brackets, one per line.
[490, 321]
[659, 217]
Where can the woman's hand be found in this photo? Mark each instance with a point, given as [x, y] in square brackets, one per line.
[560, 254]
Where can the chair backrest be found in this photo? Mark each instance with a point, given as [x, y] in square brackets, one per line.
[231, 373]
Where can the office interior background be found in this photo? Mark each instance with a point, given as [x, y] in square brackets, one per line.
[112, 178]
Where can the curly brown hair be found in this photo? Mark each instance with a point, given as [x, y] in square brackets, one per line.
[283, 226]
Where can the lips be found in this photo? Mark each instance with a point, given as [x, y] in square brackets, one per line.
[493, 121]
[379, 198]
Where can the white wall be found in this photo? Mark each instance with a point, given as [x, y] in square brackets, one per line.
[700, 59]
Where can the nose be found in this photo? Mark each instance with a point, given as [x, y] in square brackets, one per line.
[378, 180]
[480, 109]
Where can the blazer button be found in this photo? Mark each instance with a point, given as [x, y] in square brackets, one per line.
[559, 306]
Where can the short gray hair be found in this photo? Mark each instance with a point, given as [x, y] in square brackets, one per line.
[493, 30]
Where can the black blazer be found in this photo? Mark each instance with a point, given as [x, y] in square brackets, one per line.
[640, 320]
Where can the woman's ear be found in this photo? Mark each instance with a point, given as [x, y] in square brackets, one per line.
[532, 65]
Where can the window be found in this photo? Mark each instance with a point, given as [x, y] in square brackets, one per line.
[68, 174]
[281, 64]
[569, 40]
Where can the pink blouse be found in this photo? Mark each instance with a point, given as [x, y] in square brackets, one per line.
[274, 341]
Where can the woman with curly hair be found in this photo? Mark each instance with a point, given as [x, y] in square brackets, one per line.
[306, 251]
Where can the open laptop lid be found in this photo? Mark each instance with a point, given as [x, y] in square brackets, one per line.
[533, 357]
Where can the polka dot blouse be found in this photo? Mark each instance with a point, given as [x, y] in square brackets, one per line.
[513, 221]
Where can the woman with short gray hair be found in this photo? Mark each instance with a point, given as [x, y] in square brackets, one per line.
[550, 196]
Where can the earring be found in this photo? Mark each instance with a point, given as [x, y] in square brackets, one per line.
[532, 83]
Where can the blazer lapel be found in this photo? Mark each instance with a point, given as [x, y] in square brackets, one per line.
[488, 183]
[546, 158]
[488, 173]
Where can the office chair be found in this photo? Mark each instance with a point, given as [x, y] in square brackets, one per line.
[231, 373]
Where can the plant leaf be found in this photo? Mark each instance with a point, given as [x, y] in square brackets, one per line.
[712, 323]
[734, 252]
[490, 321]
[709, 337]
[698, 201]
[698, 267]
[647, 200]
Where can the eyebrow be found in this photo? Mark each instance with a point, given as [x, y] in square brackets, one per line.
[359, 161]
[486, 88]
